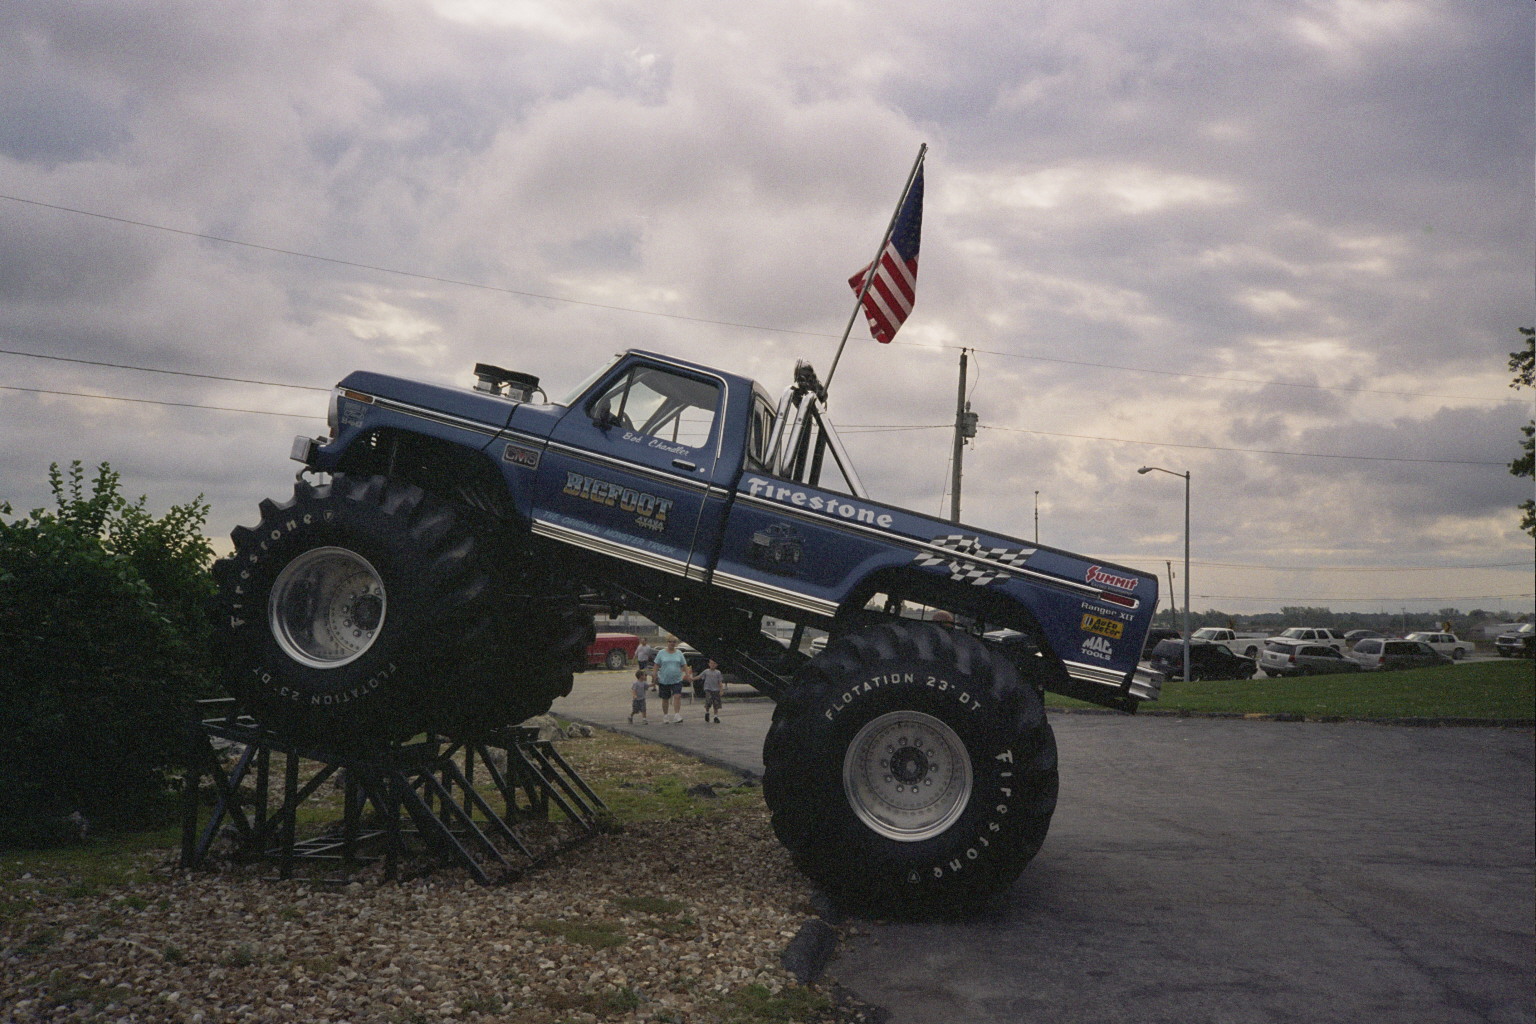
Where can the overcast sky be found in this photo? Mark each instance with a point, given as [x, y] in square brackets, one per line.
[1286, 245]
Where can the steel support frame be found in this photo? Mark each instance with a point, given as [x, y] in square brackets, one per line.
[424, 795]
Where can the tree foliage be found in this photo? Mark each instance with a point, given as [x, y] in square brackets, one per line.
[103, 644]
[1523, 363]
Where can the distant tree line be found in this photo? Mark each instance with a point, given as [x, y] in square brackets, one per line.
[1383, 622]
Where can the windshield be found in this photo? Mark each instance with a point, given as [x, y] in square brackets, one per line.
[580, 389]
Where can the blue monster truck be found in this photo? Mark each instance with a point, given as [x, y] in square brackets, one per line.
[439, 575]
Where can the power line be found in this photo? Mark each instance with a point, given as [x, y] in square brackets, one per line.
[1235, 380]
[1250, 451]
[1272, 599]
[1367, 568]
[153, 401]
[356, 265]
[852, 429]
[150, 369]
[376, 268]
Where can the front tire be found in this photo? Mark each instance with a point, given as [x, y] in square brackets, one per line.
[909, 771]
[615, 659]
[365, 610]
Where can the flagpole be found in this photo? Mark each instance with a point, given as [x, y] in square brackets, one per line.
[875, 263]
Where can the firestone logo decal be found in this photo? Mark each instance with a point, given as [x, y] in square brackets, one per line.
[760, 488]
[1098, 574]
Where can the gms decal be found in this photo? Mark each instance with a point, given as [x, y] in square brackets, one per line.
[528, 458]
[961, 569]
[650, 511]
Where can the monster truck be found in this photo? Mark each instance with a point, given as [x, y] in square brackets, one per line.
[436, 567]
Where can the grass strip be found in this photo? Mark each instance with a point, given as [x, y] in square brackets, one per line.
[1484, 691]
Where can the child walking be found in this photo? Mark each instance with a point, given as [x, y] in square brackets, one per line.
[714, 686]
[637, 688]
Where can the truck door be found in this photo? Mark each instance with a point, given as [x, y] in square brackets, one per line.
[628, 469]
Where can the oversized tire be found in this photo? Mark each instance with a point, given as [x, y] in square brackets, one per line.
[909, 771]
[615, 659]
[365, 610]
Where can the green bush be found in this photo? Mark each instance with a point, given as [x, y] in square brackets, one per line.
[103, 644]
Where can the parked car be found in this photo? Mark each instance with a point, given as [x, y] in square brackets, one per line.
[613, 650]
[1245, 644]
[1157, 636]
[1287, 658]
[1444, 643]
[1517, 643]
[1312, 635]
[1206, 661]
[1386, 654]
[1354, 636]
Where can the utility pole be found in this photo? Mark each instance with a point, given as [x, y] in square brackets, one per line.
[1173, 610]
[965, 426]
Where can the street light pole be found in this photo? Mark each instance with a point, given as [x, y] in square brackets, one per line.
[1185, 475]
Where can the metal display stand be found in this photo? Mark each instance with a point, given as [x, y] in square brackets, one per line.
[426, 806]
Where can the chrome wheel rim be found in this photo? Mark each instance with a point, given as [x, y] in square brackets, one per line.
[327, 607]
[907, 776]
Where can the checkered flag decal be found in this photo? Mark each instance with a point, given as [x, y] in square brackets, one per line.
[962, 570]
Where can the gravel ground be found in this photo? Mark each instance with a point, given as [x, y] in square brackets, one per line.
[681, 919]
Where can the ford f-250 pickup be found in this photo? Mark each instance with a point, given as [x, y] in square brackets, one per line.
[436, 567]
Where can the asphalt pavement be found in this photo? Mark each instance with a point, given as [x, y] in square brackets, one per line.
[1216, 870]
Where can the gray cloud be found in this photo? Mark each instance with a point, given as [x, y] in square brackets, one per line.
[1319, 193]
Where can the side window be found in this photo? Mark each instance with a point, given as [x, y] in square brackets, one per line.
[762, 431]
[654, 402]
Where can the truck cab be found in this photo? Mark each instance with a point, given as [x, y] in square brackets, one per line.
[695, 488]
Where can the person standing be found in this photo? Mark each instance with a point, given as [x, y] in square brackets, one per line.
[671, 667]
[637, 688]
[714, 687]
[645, 656]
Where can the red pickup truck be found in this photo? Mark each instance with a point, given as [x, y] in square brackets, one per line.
[613, 650]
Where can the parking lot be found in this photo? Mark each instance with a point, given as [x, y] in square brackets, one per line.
[1222, 871]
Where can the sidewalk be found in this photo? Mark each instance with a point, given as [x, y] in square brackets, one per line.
[601, 698]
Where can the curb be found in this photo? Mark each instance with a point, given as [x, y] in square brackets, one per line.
[1296, 716]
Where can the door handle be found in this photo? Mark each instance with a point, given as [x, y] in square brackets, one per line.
[684, 464]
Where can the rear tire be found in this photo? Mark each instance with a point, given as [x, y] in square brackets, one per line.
[615, 659]
[909, 771]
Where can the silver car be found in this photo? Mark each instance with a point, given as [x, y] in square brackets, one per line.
[1280, 658]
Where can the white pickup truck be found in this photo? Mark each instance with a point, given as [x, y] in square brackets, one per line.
[1306, 634]
[1247, 644]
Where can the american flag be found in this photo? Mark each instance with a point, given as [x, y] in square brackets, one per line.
[894, 288]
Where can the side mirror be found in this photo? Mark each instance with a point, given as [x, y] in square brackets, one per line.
[602, 415]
